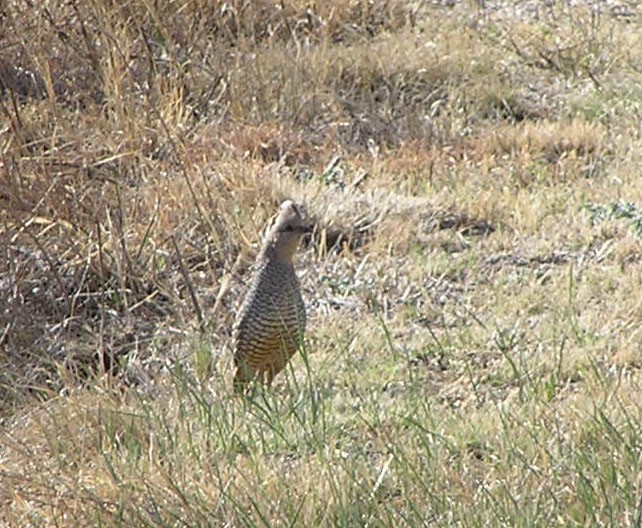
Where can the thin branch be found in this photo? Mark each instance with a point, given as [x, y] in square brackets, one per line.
[190, 287]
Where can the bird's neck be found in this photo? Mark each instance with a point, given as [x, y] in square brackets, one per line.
[276, 253]
[281, 250]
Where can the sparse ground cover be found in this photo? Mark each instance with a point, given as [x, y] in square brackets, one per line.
[473, 280]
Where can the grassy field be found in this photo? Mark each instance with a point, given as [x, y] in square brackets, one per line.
[472, 172]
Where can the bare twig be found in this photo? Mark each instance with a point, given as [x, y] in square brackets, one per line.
[190, 287]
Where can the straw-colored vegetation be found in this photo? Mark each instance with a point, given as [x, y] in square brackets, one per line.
[472, 171]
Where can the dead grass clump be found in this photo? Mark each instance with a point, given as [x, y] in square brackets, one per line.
[405, 89]
[268, 22]
[88, 53]
[550, 141]
[267, 142]
[502, 102]
[21, 82]
[395, 89]
[352, 220]
[303, 23]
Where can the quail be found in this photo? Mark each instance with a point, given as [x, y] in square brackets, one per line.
[270, 325]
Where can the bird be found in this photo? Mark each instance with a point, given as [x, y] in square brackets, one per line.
[269, 327]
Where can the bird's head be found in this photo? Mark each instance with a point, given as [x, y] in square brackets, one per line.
[283, 238]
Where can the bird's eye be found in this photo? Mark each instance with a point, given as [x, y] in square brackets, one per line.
[288, 228]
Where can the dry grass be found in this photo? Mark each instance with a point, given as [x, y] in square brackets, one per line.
[474, 346]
